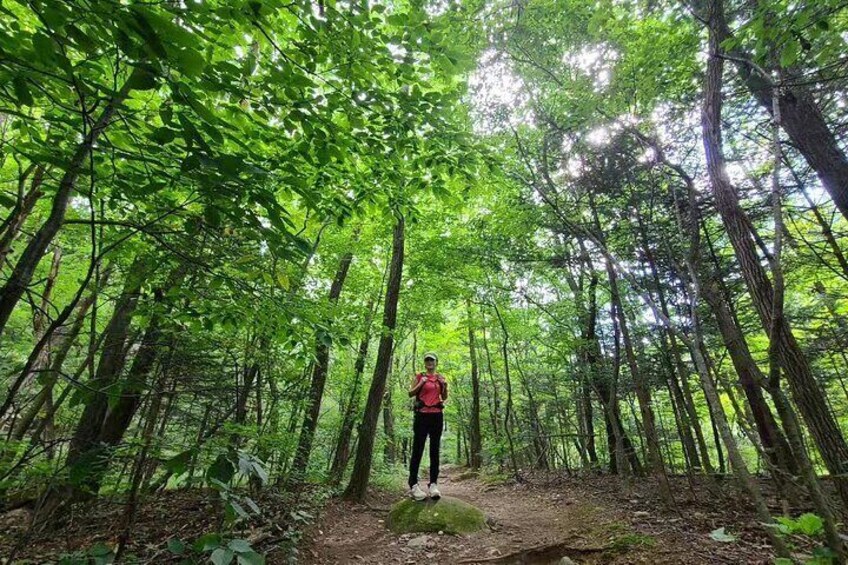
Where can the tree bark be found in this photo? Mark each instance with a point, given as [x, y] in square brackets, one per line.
[801, 117]
[84, 449]
[475, 436]
[356, 489]
[319, 380]
[806, 391]
[22, 274]
[342, 451]
[643, 394]
[23, 208]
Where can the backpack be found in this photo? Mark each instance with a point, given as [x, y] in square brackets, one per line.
[419, 404]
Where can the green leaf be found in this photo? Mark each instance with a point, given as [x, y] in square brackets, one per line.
[142, 79]
[189, 61]
[722, 536]
[239, 546]
[22, 92]
[176, 546]
[101, 554]
[163, 136]
[208, 542]
[222, 556]
[44, 47]
[239, 510]
[810, 524]
[790, 54]
[178, 464]
[250, 558]
[222, 469]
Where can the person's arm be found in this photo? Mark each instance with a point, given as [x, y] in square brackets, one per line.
[444, 388]
[416, 385]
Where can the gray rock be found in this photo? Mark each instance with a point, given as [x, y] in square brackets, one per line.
[421, 542]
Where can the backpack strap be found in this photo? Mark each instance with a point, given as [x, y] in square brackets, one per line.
[420, 376]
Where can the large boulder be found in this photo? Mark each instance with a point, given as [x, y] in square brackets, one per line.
[449, 515]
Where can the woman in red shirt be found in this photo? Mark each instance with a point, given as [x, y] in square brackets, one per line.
[430, 391]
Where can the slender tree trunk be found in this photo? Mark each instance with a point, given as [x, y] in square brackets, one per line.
[508, 413]
[643, 394]
[128, 518]
[495, 407]
[806, 391]
[677, 374]
[319, 380]
[368, 428]
[342, 451]
[112, 359]
[475, 437]
[22, 274]
[751, 379]
[389, 451]
[801, 117]
[736, 461]
[21, 212]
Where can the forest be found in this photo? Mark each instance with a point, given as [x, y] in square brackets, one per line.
[230, 229]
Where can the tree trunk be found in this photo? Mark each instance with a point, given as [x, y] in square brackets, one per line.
[368, 428]
[84, 449]
[319, 380]
[643, 394]
[22, 274]
[342, 452]
[389, 449]
[751, 379]
[806, 391]
[508, 412]
[800, 116]
[475, 437]
[677, 374]
[23, 208]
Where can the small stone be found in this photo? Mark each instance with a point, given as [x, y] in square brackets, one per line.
[441, 532]
[494, 552]
[421, 542]
[565, 561]
[641, 514]
[429, 555]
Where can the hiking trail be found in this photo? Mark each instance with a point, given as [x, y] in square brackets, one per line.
[539, 522]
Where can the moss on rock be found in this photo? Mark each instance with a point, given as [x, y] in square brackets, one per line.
[449, 515]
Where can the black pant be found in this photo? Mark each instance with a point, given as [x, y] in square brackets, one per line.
[426, 425]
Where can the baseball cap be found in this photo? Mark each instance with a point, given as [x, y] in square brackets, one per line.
[430, 355]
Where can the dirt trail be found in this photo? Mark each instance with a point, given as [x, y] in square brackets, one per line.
[529, 524]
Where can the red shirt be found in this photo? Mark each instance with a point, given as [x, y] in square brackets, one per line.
[430, 394]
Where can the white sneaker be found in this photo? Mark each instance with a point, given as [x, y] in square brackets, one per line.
[417, 494]
[435, 494]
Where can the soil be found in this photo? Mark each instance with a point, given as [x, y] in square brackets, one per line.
[589, 519]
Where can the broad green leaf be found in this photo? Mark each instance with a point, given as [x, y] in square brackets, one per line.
[239, 546]
[251, 558]
[176, 546]
[790, 53]
[221, 469]
[208, 542]
[222, 556]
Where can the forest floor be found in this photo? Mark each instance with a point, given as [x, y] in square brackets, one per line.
[590, 519]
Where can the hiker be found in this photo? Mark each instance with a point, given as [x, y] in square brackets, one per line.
[430, 391]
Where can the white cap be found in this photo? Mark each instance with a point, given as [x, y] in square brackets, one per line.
[431, 355]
